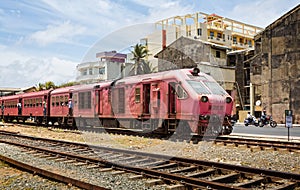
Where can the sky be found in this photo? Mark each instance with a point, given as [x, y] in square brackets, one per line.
[44, 40]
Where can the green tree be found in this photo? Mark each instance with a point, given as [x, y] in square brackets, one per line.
[40, 87]
[68, 84]
[50, 85]
[46, 86]
[140, 66]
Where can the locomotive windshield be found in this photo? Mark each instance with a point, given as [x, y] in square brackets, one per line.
[215, 88]
[198, 87]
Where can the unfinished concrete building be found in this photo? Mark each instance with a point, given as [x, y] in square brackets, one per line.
[275, 67]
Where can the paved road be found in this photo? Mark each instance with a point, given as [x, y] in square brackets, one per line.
[280, 130]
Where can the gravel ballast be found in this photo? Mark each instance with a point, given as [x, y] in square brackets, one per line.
[274, 160]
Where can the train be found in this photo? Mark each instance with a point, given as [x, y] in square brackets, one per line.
[176, 101]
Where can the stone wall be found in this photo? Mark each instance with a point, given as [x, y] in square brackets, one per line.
[277, 54]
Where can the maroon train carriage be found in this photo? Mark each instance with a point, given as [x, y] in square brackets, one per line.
[25, 106]
[10, 107]
[59, 111]
[92, 105]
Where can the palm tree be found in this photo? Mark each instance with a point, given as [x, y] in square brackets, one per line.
[49, 85]
[40, 87]
[140, 66]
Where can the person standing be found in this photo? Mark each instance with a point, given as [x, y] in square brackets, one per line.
[19, 105]
[44, 108]
[70, 105]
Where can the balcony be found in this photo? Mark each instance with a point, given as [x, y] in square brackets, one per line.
[216, 40]
[238, 45]
[211, 27]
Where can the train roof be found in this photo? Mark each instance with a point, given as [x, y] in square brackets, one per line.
[180, 74]
[38, 93]
[62, 90]
[16, 96]
[92, 86]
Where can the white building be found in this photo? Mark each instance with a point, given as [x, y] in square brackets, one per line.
[108, 66]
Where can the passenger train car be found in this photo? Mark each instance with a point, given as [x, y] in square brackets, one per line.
[181, 101]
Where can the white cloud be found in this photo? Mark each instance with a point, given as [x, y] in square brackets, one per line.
[62, 32]
[158, 9]
[24, 70]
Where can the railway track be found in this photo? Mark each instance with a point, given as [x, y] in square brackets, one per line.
[259, 144]
[161, 169]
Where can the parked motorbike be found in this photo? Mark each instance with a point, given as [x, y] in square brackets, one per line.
[265, 120]
[251, 121]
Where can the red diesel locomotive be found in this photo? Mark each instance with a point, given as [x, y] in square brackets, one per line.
[185, 101]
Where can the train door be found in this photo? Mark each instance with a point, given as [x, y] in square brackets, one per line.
[121, 103]
[99, 102]
[171, 99]
[20, 106]
[118, 100]
[70, 104]
[46, 106]
[146, 98]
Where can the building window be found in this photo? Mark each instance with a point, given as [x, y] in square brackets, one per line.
[219, 35]
[90, 71]
[199, 31]
[102, 71]
[84, 72]
[188, 33]
[218, 54]
[234, 40]
[211, 34]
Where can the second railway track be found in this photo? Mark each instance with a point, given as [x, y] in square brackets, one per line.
[260, 144]
[164, 169]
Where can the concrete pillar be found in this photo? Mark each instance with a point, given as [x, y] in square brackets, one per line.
[251, 99]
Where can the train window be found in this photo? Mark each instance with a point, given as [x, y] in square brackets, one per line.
[215, 88]
[33, 102]
[75, 99]
[181, 93]
[66, 100]
[198, 87]
[53, 101]
[85, 100]
[57, 101]
[41, 102]
[62, 102]
[137, 95]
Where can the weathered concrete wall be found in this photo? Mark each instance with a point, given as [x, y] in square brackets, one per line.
[277, 52]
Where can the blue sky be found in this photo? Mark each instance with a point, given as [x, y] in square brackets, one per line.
[45, 40]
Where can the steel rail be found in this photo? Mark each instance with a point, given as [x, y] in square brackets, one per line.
[195, 182]
[245, 169]
[259, 142]
[51, 175]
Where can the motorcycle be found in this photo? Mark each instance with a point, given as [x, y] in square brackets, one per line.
[251, 121]
[265, 120]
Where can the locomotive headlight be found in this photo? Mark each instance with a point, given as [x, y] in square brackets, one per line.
[228, 100]
[204, 99]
